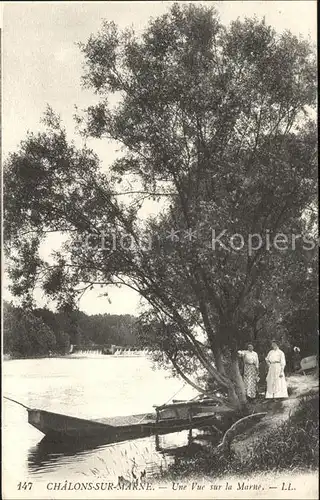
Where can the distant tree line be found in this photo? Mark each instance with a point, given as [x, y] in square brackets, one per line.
[39, 332]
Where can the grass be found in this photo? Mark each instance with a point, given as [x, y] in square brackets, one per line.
[293, 445]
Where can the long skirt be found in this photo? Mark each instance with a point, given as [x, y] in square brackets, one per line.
[250, 379]
[276, 385]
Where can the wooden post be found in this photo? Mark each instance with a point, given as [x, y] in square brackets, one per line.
[157, 442]
[157, 435]
[190, 430]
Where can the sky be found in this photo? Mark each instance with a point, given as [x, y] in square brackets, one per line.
[42, 65]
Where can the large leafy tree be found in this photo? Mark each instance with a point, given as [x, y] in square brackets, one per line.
[25, 334]
[216, 122]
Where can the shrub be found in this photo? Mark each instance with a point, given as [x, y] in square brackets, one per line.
[292, 445]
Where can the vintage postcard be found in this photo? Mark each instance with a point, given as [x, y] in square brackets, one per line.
[160, 321]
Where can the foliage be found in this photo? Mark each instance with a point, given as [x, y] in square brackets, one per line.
[41, 331]
[107, 329]
[302, 319]
[292, 445]
[214, 120]
[24, 334]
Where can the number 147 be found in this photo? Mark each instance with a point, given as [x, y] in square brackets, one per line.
[24, 486]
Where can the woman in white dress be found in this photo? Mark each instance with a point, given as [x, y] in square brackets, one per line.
[251, 370]
[276, 382]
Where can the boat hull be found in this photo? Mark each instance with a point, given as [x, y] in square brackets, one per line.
[53, 424]
[56, 426]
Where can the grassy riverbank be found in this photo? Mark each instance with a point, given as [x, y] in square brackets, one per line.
[287, 440]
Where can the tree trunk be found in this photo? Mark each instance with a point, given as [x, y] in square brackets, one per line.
[233, 397]
[236, 390]
[232, 394]
[237, 379]
[219, 361]
[229, 369]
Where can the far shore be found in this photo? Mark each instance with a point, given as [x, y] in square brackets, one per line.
[75, 355]
[11, 357]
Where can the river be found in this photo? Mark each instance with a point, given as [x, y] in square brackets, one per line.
[88, 387]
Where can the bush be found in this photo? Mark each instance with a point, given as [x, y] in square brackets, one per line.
[292, 445]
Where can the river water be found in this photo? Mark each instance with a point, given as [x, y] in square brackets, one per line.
[87, 387]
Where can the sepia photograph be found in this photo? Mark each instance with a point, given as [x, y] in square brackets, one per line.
[159, 174]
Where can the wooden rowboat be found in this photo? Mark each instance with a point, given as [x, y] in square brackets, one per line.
[167, 419]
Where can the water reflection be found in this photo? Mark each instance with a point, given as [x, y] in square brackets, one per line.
[46, 452]
[86, 388]
[153, 454]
